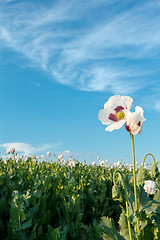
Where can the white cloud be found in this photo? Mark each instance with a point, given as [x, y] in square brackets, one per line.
[79, 47]
[28, 148]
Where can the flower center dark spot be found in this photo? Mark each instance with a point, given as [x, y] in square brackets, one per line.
[113, 117]
[119, 108]
[139, 123]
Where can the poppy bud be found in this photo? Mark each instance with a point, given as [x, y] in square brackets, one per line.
[141, 175]
[115, 192]
[154, 171]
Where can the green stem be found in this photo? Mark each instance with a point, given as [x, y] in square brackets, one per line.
[157, 163]
[135, 184]
[126, 200]
[148, 154]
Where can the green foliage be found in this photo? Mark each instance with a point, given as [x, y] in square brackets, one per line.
[51, 200]
[109, 230]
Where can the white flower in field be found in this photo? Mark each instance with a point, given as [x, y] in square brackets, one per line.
[115, 164]
[111, 167]
[134, 121]
[102, 163]
[150, 187]
[98, 158]
[106, 161]
[118, 164]
[93, 163]
[25, 155]
[8, 151]
[127, 165]
[60, 157]
[114, 112]
[48, 154]
[12, 149]
[71, 163]
[136, 163]
[131, 165]
[5, 161]
[62, 160]
[41, 156]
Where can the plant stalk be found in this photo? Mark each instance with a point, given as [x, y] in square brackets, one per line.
[126, 200]
[135, 184]
[148, 154]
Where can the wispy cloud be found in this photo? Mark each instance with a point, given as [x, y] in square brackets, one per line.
[90, 45]
[28, 148]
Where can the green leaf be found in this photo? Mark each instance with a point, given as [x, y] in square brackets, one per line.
[123, 223]
[109, 230]
[157, 196]
[54, 234]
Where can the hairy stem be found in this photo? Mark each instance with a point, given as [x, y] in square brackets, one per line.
[135, 184]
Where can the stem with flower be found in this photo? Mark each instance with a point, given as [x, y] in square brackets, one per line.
[126, 200]
[117, 112]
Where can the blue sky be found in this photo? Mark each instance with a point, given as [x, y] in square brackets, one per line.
[61, 60]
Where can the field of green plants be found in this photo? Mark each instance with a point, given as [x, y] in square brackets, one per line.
[62, 201]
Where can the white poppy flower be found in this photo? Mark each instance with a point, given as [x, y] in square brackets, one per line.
[8, 151]
[60, 157]
[134, 121]
[93, 163]
[102, 163]
[62, 160]
[118, 164]
[150, 187]
[48, 154]
[71, 163]
[12, 149]
[114, 112]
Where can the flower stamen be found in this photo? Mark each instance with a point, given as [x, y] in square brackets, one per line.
[120, 115]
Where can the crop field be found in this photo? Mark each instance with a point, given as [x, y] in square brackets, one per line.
[71, 200]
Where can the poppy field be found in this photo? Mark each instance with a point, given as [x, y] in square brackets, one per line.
[59, 200]
[55, 200]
